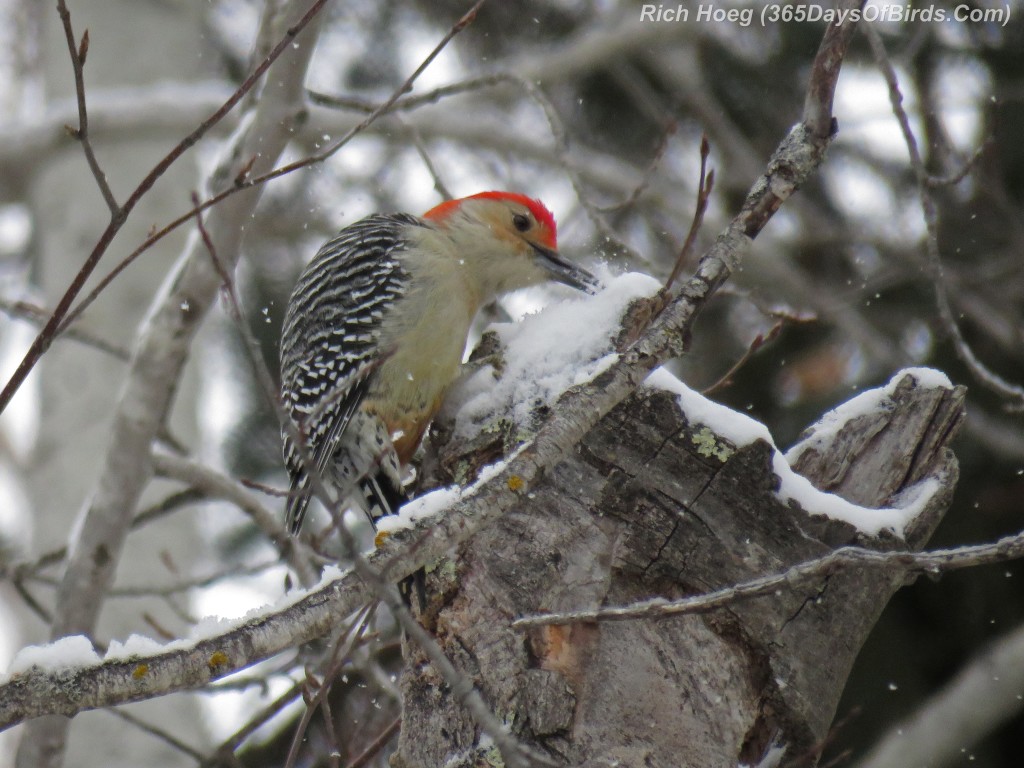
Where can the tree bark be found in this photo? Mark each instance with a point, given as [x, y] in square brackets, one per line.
[643, 509]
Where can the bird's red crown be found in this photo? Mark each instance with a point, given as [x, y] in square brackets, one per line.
[543, 216]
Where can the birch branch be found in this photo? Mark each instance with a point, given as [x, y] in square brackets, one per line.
[165, 339]
[982, 696]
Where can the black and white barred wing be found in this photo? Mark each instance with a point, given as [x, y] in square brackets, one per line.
[330, 344]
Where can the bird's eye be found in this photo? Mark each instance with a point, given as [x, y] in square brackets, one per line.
[521, 222]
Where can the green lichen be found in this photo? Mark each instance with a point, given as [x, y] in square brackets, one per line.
[709, 445]
[444, 567]
[461, 474]
[492, 757]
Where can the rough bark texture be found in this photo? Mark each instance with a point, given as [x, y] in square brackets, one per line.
[645, 509]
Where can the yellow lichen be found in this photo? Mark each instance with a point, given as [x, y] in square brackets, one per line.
[380, 537]
[140, 671]
[516, 483]
[217, 659]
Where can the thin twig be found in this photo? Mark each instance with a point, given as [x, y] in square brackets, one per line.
[936, 182]
[342, 648]
[705, 184]
[242, 183]
[421, 149]
[409, 102]
[982, 373]
[55, 556]
[78, 54]
[33, 313]
[330, 735]
[30, 600]
[158, 732]
[899, 562]
[273, 708]
[377, 744]
[649, 172]
[56, 323]
[183, 585]
[758, 342]
[825, 68]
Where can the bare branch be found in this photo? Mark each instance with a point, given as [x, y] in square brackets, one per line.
[825, 73]
[157, 732]
[346, 642]
[37, 315]
[244, 181]
[46, 335]
[981, 372]
[162, 350]
[78, 54]
[898, 563]
[705, 183]
[982, 696]
[758, 342]
[230, 744]
[377, 745]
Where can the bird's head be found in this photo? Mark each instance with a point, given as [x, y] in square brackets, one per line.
[514, 235]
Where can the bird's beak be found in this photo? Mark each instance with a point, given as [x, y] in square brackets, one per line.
[564, 271]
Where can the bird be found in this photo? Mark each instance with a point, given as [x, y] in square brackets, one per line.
[376, 327]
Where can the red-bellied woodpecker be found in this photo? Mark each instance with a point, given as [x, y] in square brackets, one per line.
[377, 325]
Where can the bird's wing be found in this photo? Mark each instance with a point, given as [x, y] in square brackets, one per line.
[330, 345]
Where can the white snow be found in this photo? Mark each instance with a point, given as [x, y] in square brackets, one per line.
[564, 345]
[740, 430]
[72, 651]
[78, 651]
[135, 645]
[867, 402]
[439, 500]
[419, 509]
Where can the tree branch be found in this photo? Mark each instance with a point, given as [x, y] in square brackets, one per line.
[985, 376]
[898, 564]
[46, 335]
[78, 54]
[161, 352]
[983, 695]
[222, 487]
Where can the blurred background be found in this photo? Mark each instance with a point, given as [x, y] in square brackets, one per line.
[599, 112]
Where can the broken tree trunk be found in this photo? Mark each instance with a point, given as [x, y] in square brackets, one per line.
[652, 505]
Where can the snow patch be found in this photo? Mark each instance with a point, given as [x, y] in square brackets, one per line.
[564, 345]
[872, 401]
[741, 430]
[71, 651]
[437, 501]
[418, 509]
[135, 645]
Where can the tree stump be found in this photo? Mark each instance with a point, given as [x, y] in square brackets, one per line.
[648, 507]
